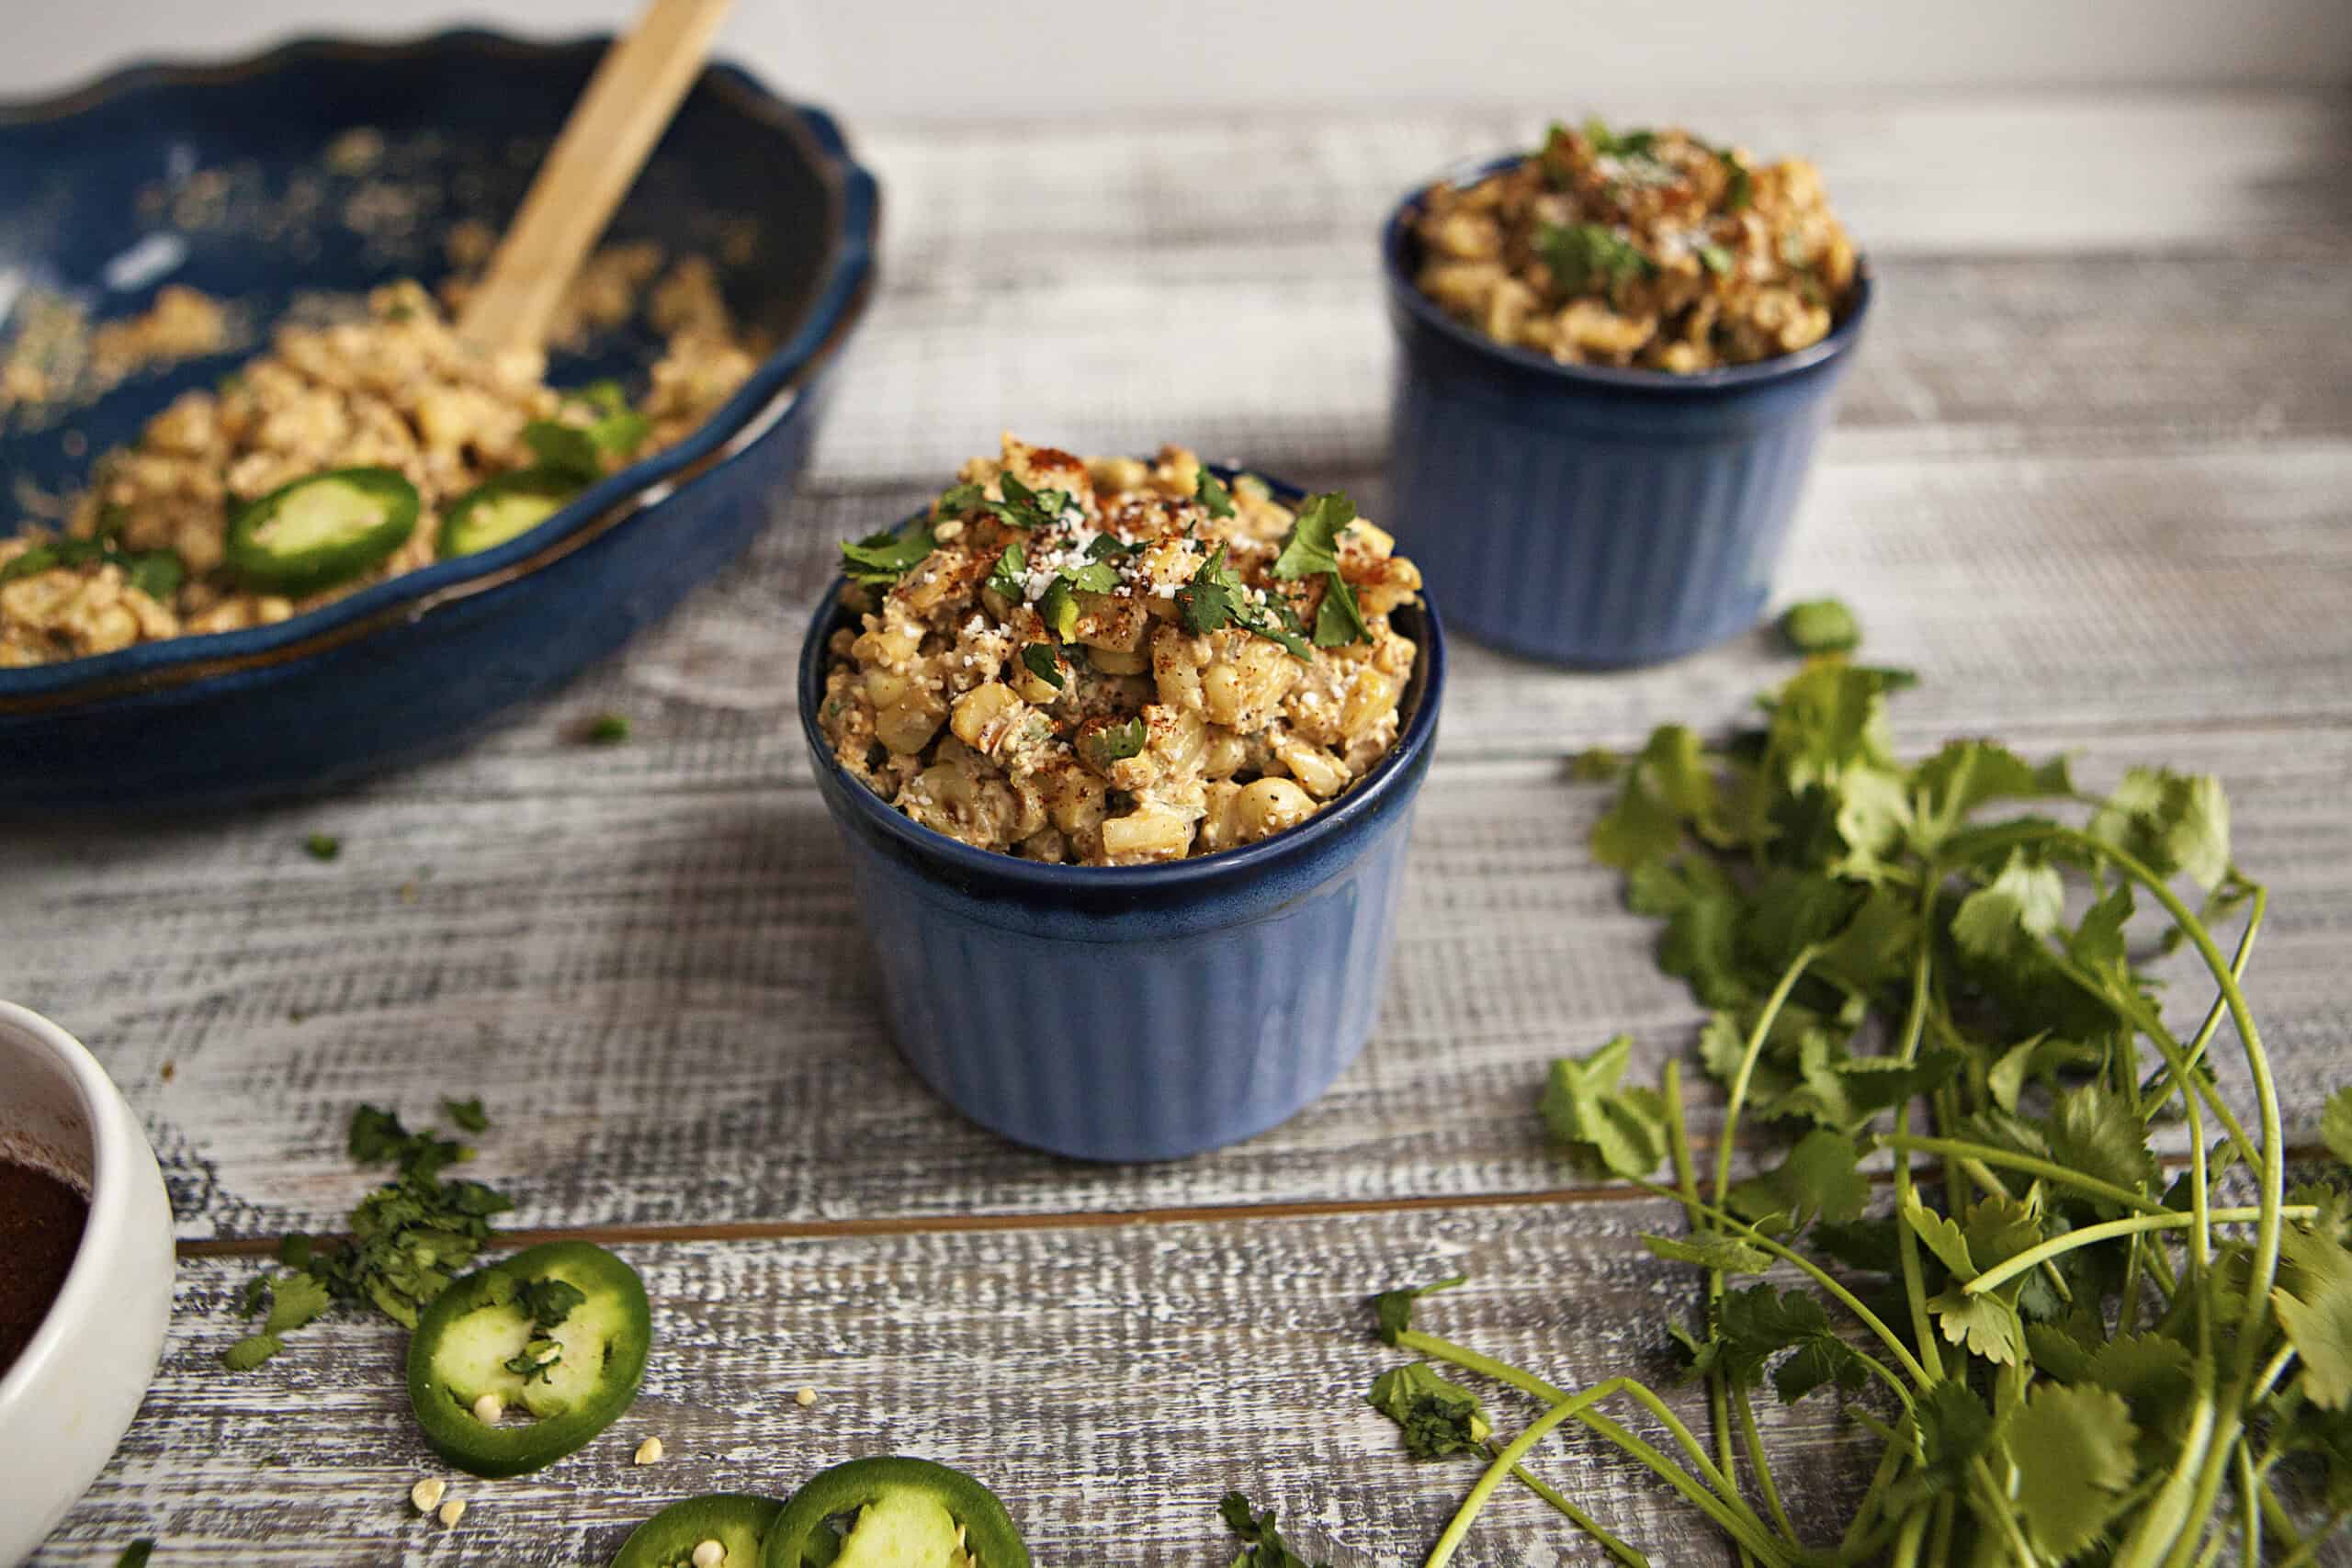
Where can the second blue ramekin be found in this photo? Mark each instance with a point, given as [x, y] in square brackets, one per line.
[1585, 515]
[1135, 1012]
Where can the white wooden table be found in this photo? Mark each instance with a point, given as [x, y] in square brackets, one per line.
[2093, 478]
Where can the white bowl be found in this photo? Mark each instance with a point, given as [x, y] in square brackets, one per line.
[70, 1397]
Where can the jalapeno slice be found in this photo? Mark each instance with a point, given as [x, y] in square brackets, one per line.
[503, 508]
[559, 1334]
[894, 1512]
[738, 1523]
[320, 531]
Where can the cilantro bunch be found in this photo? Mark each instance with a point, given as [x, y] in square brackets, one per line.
[2066, 1356]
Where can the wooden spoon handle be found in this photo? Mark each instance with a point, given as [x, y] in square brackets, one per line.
[605, 141]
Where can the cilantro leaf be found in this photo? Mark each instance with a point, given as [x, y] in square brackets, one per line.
[1739, 185]
[1988, 1324]
[1208, 601]
[1312, 544]
[466, 1113]
[2313, 1303]
[1005, 578]
[604, 729]
[1044, 663]
[2016, 909]
[2336, 1126]
[251, 1351]
[1595, 764]
[548, 1301]
[1095, 576]
[1583, 257]
[322, 846]
[580, 451]
[1814, 625]
[2092, 1130]
[956, 501]
[1821, 1177]
[1600, 1124]
[890, 555]
[1718, 260]
[1265, 1547]
[294, 1300]
[1944, 1237]
[1338, 619]
[1756, 1324]
[2174, 822]
[1117, 742]
[2073, 1448]
[1439, 1417]
[1639, 830]
[1393, 1309]
[1213, 495]
[1025, 508]
[156, 573]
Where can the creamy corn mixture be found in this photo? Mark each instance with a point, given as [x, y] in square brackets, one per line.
[1639, 248]
[1107, 661]
[396, 390]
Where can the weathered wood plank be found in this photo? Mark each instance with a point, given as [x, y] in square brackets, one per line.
[657, 985]
[1111, 1383]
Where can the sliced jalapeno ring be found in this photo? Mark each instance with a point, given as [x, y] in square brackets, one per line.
[320, 531]
[504, 508]
[894, 1512]
[738, 1523]
[559, 1334]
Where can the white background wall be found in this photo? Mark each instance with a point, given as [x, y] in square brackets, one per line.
[1022, 59]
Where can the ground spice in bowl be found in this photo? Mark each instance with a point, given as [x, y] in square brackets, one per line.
[40, 1226]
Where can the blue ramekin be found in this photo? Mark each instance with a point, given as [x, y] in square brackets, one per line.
[1590, 515]
[1135, 1012]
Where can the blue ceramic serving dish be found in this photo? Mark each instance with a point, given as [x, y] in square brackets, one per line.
[96, 185]
[1590, 515]
[1136, 1012]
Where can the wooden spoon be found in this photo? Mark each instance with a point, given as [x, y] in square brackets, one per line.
[610, 133]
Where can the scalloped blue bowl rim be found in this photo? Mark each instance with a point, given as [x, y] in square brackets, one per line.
[1397, 234]
[982, 867]
[836, 302]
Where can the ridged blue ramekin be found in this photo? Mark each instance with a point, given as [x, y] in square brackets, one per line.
[1585, 515]
[1135, 1012]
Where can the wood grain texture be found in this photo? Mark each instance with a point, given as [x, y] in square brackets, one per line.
[1110, 1384]
[662, 995]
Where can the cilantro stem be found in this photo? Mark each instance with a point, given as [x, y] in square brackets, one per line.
[1820, 1276]
[1502, 1465]
[1753, 1439]
[1756, 1038]
[2001, 1509]
[1724, 1506]
[2265, 1088]
[2031, 1165]
[2308, 1551]
[2108, 1230]
[2250, 1492]
[1890, 1456]
[1677, 1144]
[1631, 1556]
[2196, 1052]
[1907, 1245]
[2271, 1372]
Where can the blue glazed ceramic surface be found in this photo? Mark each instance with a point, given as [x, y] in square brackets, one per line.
[1590, 515]
[1136, 1012]
[413, 665]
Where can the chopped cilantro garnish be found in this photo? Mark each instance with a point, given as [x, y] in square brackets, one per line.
[1005, 578]
[1104, 547]
[1095, 576]
[890, 555]
[156, 573]
[609, 730]
[548, 1302]
[1025, 508]
[1739, 185]
[1585, 255]
[1217, 597]
[1312, 549]
[1213, 495]
[1044, 663]
[581, 450]
[322, 846]
[958, 500]
[1117, 742]
[1714, 257]
[1263, 1544]
[1438, 1418]
[466, 1113]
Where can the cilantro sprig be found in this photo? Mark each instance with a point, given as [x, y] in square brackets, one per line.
[2064, 1350]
